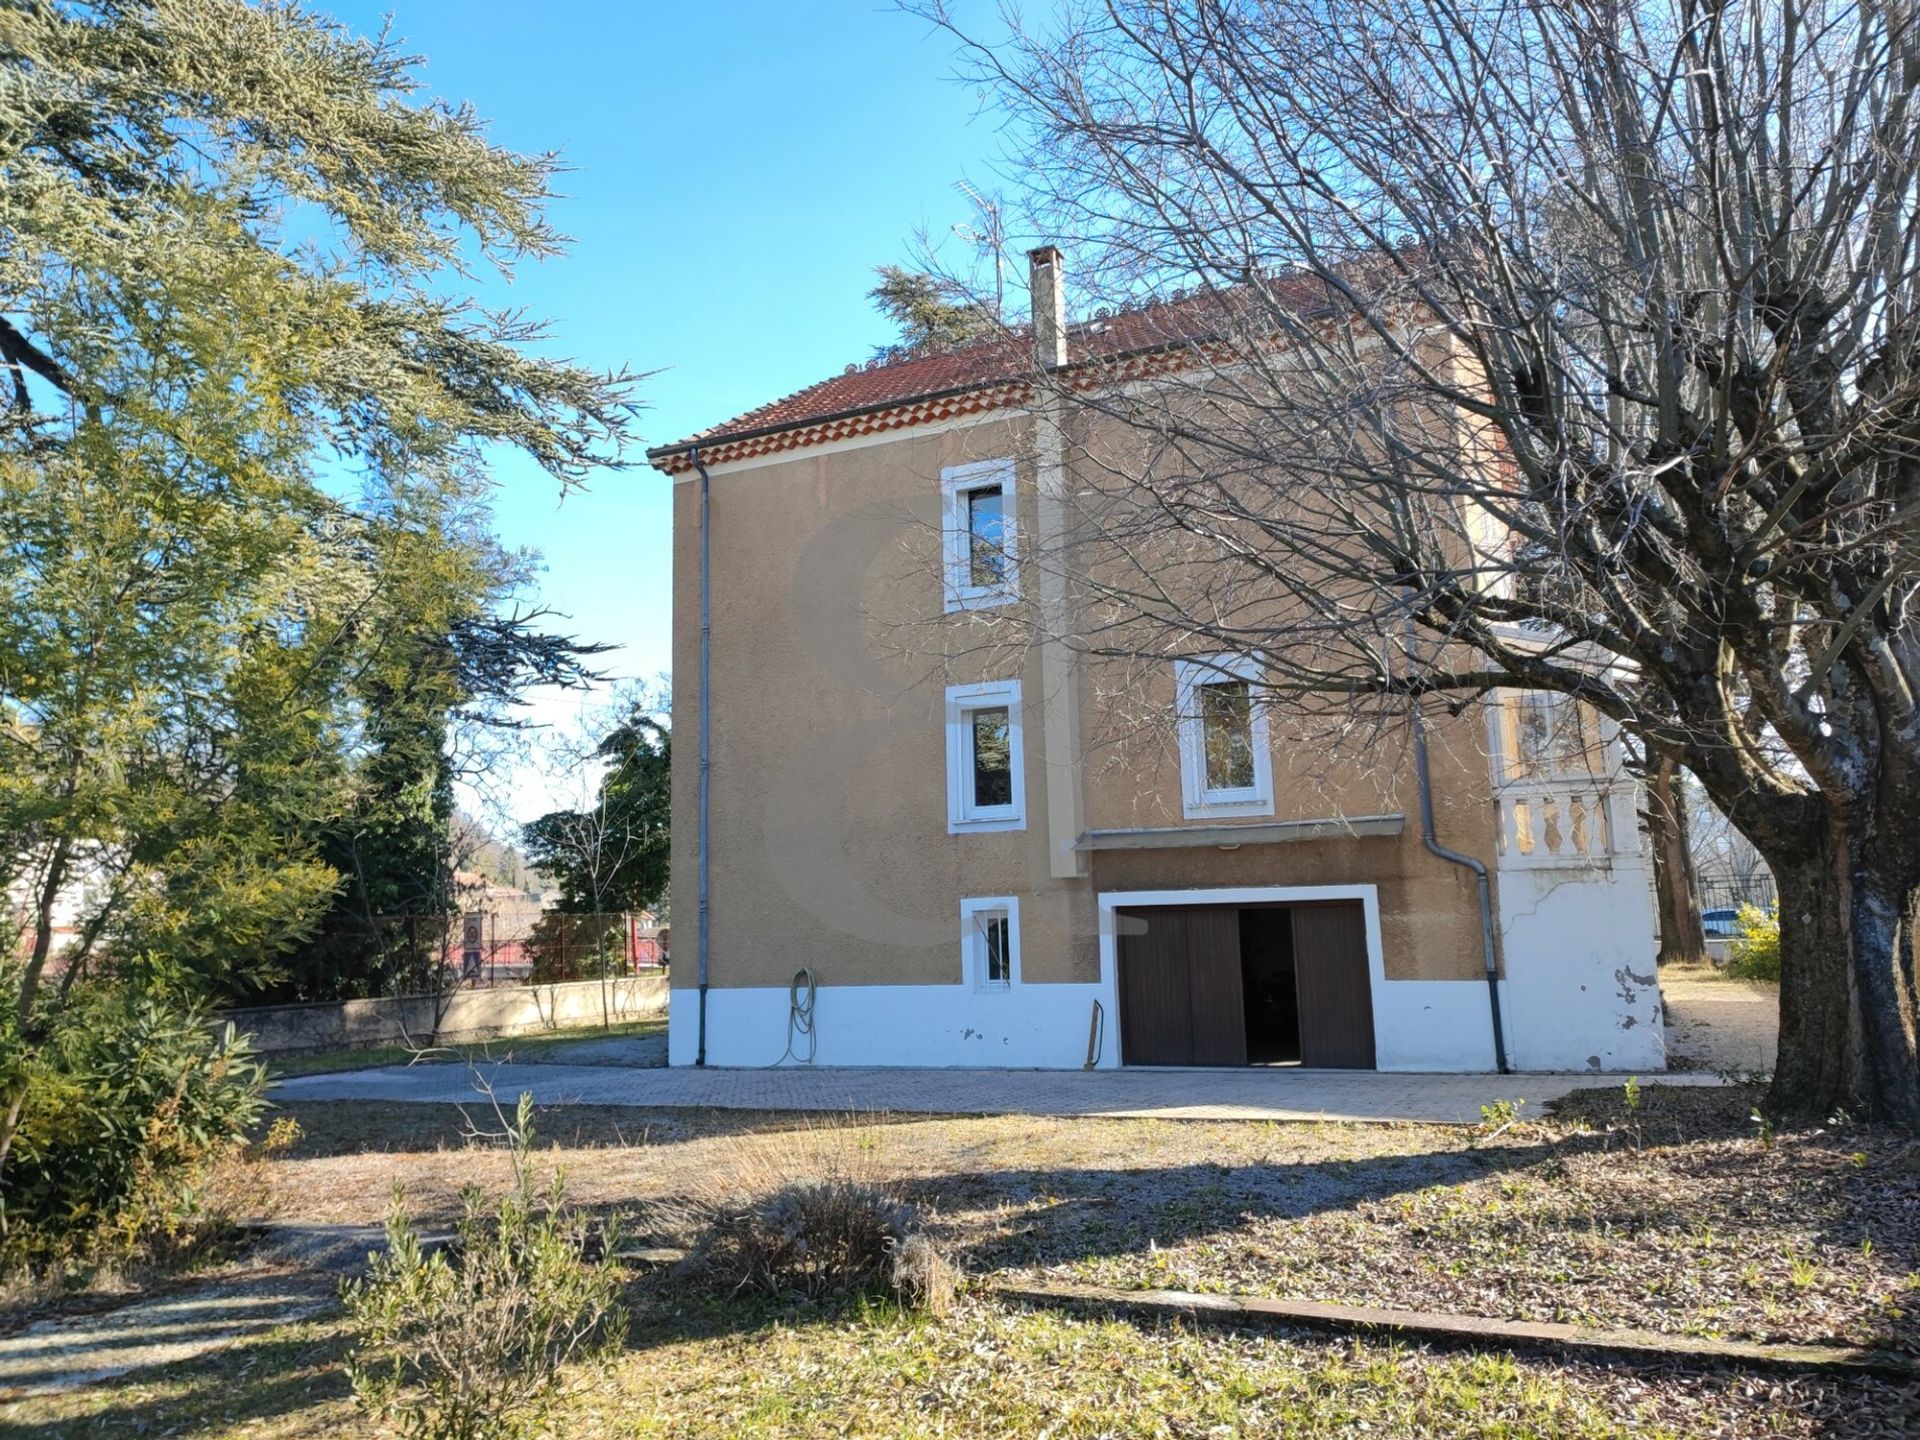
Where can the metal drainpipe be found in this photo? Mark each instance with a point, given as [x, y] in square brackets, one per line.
[706, 654]
[1480, 873]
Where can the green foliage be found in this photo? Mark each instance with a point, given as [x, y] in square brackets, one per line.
[232, 241]
[249, 591]
[565, 945]
[614, 855]
[1499, 1115]
[1755, 952]
[930, 313]
[131, 1101]
[468, 1342]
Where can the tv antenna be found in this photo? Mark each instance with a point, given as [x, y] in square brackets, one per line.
[987, 235]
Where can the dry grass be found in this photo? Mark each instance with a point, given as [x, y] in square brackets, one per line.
[1672, 1215]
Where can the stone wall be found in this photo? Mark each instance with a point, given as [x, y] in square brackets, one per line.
[463, 1015]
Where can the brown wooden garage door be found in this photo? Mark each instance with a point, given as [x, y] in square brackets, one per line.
[1180, 996]
[1336, 992]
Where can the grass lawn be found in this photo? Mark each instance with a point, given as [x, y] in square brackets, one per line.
[516, 1047]
[1674, 1215]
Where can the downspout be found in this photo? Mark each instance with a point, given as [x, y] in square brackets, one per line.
[1480, 873]
[706, 715]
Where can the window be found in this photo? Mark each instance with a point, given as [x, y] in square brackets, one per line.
[1548, 735]
[986, 783]
[1226, 763]
[981, 563]
[990, 943]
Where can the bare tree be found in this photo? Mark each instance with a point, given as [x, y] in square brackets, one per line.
[1576, 342]
[1722, 856]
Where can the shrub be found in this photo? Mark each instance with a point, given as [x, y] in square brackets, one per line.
[1755, 952]
[130, 1102]
[921, 1277]
[817, 1238]
[805, 1215]
[468, 1342]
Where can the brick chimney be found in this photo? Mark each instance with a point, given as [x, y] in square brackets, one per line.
[1048, 290]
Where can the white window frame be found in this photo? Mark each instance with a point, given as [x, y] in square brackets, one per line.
[973, 943]
[963, 816]
[1198, 801]
[956, 565]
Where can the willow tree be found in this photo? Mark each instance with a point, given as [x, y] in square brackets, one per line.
[238, 345]
[1579, 338]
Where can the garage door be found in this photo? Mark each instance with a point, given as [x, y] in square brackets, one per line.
[1182, 985]
[1336, 993]
[1180, 988]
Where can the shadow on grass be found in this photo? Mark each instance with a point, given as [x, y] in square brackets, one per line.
[294, 1384]
[251, 1381]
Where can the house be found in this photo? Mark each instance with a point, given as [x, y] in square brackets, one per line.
[905, 838]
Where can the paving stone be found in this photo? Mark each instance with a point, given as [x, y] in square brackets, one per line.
[1252, 1094]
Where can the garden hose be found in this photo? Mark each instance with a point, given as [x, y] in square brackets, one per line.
[801, 992]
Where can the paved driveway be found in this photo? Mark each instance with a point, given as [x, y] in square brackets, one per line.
[1253, 1094]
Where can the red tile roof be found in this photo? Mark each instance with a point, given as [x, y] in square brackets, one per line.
[968, 379]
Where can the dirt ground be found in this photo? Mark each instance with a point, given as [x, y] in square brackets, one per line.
[1728, 1027]
[1677, 1214]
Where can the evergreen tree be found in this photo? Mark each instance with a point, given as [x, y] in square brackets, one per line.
[233, 242]
[929, 313]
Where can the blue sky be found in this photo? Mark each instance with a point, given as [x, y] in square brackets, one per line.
[737, 171]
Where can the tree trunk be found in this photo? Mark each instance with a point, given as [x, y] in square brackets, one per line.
[1846, 1021]
[44, 903]
[1683, 938]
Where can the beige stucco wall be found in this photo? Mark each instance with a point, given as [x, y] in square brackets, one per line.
[829, 843]
[830, 662]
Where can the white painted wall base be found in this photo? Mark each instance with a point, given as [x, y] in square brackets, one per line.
[1582, 989]
[1028, 1027]
[1580, 994]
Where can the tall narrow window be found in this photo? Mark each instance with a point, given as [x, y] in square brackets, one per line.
[987, 537]
[992, 757]
[990, 943]
[978, 535]
[1226, 724]
[1226, 764]
[996, 951]
[985, 775]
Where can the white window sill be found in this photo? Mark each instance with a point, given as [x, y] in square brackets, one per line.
[985, 824]
[980, 600]
[1224, 804]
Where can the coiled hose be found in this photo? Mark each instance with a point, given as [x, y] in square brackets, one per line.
[801, 993]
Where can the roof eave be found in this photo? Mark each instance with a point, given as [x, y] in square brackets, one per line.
[663, 453]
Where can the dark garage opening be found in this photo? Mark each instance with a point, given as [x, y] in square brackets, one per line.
[1267, 988]
[1245, 985]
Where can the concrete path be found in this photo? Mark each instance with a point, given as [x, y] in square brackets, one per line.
[1253, 1094]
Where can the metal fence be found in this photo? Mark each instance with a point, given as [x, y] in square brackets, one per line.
[498, 948]
[485, 945]
[1730, 894]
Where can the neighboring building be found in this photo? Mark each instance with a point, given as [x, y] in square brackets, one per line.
[977, 870]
